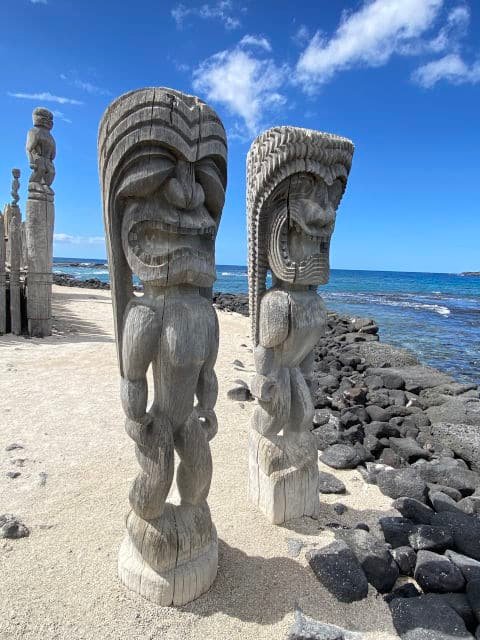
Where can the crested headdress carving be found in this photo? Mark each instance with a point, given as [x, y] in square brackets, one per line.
[275, 155]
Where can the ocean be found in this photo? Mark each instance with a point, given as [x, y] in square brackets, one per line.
[435, 315]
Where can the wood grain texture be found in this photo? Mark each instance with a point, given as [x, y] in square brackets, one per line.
[15, 243]
[162, 163]
[296, 178]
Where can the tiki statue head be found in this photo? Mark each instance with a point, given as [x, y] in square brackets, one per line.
[296, 179]
[42, 118]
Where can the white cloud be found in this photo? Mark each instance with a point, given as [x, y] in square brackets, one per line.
[38, 1]
[367, 37]
[222, 10]
[88, 87]
[66, 238]
[45, 96]
[256, 41]
[246, 85]
[61, 116]
[451, 68]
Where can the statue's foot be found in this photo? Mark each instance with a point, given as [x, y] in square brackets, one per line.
[172, 560]
[283, 476]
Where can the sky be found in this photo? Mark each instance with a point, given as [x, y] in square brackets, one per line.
[400, 78]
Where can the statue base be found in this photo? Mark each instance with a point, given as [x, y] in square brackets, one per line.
[178, 561]
[283, 476]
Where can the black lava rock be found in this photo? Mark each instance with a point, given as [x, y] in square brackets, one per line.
[414, 510]
[408, 449]
[396, 531]
[468, 566]
[328, 483]
[419, 619]
[465, 529]
[436, 573]
[473, 595]
[337, 568]
[374, 557]
[340, 456]
[406, 559]
[12, 527]
[433, 538]
[398, 483]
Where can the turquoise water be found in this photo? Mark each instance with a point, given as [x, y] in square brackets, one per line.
[436, 315]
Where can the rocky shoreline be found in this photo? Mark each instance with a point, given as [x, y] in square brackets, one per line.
[415, 433]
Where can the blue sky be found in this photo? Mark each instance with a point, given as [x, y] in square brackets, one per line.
[401, 78]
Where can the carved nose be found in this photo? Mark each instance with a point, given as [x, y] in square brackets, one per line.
[182, 190]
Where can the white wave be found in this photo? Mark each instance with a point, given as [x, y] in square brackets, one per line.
[233, 274]
[369, 298]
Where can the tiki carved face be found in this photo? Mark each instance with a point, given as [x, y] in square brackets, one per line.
[302, 211]
[171, 216]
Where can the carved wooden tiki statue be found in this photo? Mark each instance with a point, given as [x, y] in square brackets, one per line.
[163, 171]
[296, 179]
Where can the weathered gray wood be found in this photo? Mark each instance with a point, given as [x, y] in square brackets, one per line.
[3, 306]
[24, 261]
[162, 163]
[295, 180]
[40, 214]
[15, 243]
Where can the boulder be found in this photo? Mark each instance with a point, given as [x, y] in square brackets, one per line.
[473, 595]
[436, 573]
[341, 456]
[465, 530]
[462, 439]
[450, 472]
[422, 619]
[396, 530]
[408, 449]
[328, 483]
[426, 536]
[457, 410]
[239, 393]
[406, 559]
[414, 510]
[469, 567]
[377, 354]
[398, 483]
[374, 557]
[337, 568]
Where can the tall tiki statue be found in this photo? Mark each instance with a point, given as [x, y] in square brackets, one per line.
[40, 215]
[296, 179]
[163, 171]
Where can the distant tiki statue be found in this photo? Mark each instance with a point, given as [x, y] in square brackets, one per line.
[295, 181]
[40, 215]
[163, 171]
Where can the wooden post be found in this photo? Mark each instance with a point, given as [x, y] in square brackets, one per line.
[15, 242]
[162, 163]
[3, 305]
[40, 214]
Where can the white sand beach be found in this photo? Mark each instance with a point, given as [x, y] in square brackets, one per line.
[60, 401]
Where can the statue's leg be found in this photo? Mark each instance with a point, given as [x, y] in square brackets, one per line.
[194, 472]
[283, 472]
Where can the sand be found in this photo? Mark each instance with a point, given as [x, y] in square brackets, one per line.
[60, 400]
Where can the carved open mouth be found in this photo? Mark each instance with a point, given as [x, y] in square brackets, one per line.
[299, 246]
[155, 242]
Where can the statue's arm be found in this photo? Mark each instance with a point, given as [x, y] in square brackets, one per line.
[207, 387]
[139, 341]
[273, 331]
